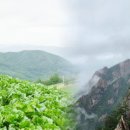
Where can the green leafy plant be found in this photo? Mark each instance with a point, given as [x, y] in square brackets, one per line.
[29, 106]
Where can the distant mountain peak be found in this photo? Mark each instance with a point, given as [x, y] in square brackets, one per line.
[127, 60]
[101, 71]
[108, 87]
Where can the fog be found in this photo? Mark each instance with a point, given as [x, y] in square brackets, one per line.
[90, 33]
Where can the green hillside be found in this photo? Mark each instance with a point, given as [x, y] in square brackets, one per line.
[32, 65]
[29, 106]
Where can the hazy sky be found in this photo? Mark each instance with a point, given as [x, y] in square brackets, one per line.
[33, 22]
[92, 33]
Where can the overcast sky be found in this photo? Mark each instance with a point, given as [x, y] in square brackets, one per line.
[92, 33]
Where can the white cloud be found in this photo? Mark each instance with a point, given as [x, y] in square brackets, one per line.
[33, 22]
[109, 56]
[89, 32]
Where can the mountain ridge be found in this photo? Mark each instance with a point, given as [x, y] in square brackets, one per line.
[108, 87]
[33, 64]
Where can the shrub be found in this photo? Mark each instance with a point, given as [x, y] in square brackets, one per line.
[55, 79]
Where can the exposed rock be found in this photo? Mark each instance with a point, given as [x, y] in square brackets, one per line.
[102, 118]
[122, 125]
[111, 101]
[108, 87]
[125, 67]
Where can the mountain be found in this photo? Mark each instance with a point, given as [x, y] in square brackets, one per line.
[124, 122]
[119, 119]
[35, 64]
[108, 87]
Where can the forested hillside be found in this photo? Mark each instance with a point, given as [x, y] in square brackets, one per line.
[34, 65]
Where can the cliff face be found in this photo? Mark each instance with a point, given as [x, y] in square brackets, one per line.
[109, 86]
[122, 125]
[124, 121]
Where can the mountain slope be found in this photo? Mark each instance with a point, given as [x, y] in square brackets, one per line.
[33, 65]
[124, 122]
[119, 119]
[109, 86]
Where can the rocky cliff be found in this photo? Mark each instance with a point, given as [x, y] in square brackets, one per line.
[108, 87]
[122, 125]
[124, 122]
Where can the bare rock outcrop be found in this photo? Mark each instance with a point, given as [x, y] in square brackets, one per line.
[122, 125]
[108, 88]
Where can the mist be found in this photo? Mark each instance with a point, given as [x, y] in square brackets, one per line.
[90, 34]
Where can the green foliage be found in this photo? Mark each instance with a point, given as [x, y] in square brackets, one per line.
[113, 119]
[29, 106]
[55, 79]
[33, 65]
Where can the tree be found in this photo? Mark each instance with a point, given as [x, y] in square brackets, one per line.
[54, 79]
[113, 119]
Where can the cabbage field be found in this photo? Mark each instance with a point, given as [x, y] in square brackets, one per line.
[29, 106]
